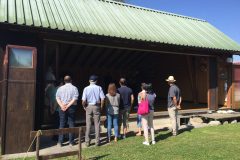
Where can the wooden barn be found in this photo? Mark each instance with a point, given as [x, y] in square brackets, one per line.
[110, 39]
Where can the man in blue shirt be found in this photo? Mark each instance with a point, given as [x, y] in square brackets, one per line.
[174, 103]
[127, 100]
[67, 96]
[93, 101]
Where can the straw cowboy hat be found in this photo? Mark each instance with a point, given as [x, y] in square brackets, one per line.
[170, 79]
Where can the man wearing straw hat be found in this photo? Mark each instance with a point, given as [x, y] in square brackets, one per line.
[174, 103]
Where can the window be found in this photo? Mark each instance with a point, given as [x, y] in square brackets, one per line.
[20, 58]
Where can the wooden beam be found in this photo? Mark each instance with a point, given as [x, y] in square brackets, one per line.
[104, 56]
[79, 55]
[93, 57]
[53, 132]
[58, 155]
[70, 56]
[131, 59]
[123, 58]
[212, 84]
[85, 49]
[138, 59]
[115, 56]
[57, 60]
[75, 54]
[192, 71]
[88, 56]
[66, 53]
[99, 53]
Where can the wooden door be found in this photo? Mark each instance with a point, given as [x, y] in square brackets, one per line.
[236, 87]
[19, 106]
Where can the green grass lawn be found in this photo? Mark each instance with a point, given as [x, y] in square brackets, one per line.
[210, 143]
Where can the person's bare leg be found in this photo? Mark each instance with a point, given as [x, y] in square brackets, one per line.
[139, 132]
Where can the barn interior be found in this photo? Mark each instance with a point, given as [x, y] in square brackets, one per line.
[80, 61]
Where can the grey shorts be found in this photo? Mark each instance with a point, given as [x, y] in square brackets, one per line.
[123, 117]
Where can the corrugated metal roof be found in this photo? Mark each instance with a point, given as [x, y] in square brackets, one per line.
[114, 19]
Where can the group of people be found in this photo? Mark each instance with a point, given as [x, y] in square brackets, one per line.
[117, 103]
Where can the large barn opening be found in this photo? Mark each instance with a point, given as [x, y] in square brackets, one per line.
[80, 61]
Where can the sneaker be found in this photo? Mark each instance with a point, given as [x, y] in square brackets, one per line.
[146, 143]
[153, 142]
[124, 137]
[59, 144]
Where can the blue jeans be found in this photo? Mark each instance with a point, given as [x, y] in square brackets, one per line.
[139, 121]
[114, 119]
[70, 115]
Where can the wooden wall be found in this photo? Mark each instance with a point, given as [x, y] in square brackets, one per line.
[110, 64]
[1, 80]
[191, 72]
[201, 79]
[224, 80]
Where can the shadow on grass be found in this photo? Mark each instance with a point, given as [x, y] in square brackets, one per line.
[98, 157]
[169, 133]
[186, 129]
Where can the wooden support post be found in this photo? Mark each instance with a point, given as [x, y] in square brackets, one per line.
[80, 143]
[192, 75]
[212, 84]
[37, 146]
[57, 61]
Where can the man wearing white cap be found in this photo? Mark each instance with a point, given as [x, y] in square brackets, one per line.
[174, 103]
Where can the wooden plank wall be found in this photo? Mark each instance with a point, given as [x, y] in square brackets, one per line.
[224, 80]
[1, 80]
[202, 79]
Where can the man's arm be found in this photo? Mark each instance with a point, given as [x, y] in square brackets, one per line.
[62, 106]
[74, 99]
[84, 99]
[179, 103]
[102, 97]
[84, 104]
[132, 100]
[70, 103]
[102, 103]
[175, 101]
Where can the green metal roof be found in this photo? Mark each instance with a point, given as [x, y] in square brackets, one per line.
[114, 19]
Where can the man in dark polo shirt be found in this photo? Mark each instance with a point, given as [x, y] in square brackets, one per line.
[174, 103]
[127, 100]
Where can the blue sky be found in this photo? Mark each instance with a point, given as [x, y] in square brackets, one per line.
[223, 14]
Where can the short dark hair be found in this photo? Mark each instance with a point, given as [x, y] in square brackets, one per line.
[67, 79]
[149, 88]
[123, 81]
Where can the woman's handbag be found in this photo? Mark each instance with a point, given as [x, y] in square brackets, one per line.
[143, 107]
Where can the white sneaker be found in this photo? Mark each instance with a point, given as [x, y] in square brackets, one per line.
[124, 137]
[153, 142]
[146, 143]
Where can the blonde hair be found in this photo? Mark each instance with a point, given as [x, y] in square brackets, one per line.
[112, 89]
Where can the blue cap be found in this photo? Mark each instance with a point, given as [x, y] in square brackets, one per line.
[93, 78]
